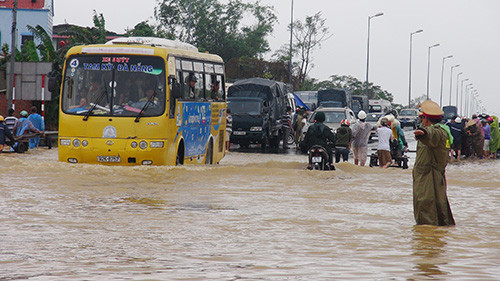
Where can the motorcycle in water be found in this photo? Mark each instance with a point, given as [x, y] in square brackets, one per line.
[319, 159]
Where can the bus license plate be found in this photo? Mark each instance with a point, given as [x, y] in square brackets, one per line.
[316, 159]
[239, 133]
[114, 159]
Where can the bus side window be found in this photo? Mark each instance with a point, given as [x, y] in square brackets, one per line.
[188, 92]
[221, 88]
[199, 87]
[210, 79]
[215, 87]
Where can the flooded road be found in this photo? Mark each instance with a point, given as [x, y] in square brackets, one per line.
[252, 217]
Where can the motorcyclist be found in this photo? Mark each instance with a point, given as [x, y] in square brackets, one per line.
[320, 134]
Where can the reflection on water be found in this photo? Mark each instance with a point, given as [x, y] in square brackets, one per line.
[253, 217]
[428, 245]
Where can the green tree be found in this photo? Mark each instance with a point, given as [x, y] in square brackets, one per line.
[238, 68]
[348, 82]
[86, 36]
[416, 102]
[28, 53]
[45, 47]
[218, 27]
[56, 57]
[142, 29]
[308, 36]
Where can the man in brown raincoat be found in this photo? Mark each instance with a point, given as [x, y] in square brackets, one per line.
[430, 203]
[476, 137]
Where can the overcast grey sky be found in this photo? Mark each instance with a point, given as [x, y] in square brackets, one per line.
[468, 30]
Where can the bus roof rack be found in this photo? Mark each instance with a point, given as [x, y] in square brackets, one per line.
[154, 42]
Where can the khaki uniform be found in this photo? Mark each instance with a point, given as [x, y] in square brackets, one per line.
[298, 128]
[430, 203]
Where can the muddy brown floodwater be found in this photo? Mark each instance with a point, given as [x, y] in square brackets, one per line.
[252, 217]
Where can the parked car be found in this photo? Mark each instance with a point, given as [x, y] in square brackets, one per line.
[408, 117]
[333, 116]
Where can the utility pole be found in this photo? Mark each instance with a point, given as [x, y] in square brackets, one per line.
[291, 38]
[12, 53]
[189, 22]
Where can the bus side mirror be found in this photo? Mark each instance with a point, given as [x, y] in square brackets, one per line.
[53, 84]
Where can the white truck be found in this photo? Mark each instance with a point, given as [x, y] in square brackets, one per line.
[380, 105]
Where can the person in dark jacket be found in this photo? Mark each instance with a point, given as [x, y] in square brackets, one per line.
[5, 134]
[343, 142]
[457, 131]
[320, 134]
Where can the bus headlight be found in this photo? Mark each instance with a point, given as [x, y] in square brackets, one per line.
[76, 142]
[85, 143]
[143, 145]
[65, 142]
[156, 144]
[256, 129]
[133, 144]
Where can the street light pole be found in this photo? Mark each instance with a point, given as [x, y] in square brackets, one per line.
[290, 60]
[456, 100]
[442, 74]
[368, 50]
[409, 79]
[429, 66]
[451, 80]
[468, 98]
[476, 97]
[462, 109]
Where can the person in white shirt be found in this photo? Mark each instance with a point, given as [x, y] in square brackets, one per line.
[384, 143]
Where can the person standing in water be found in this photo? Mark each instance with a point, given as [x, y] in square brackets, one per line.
[430, 202]
[361, 133]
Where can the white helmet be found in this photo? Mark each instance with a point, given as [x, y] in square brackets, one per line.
[362, 115]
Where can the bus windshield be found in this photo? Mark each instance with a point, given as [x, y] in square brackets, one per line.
[112, 85]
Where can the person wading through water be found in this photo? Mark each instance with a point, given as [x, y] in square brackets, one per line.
[430, 203]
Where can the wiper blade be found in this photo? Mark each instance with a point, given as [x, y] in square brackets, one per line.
[151, 98]
[94, 105]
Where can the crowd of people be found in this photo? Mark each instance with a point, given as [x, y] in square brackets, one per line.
[355, 137]
[12, 129]
[438, 143]
[475, 138]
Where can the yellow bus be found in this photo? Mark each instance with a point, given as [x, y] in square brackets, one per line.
[142, 101]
